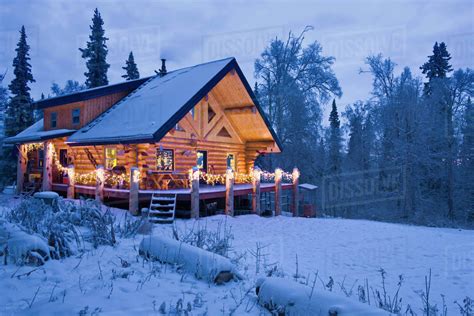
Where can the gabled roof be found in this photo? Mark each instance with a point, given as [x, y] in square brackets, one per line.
[36, 133]
[90, 93]
[154, 108]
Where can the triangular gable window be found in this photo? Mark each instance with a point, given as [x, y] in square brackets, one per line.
[210, 114]
[224, 133]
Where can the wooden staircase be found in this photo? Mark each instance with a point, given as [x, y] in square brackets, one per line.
[162, 208]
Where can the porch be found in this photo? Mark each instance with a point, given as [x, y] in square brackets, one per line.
[243, 196]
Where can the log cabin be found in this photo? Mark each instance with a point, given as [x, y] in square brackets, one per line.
[147, 135]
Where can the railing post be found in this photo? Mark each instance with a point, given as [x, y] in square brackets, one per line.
[256, 174]
[134, 188]
[229, 192]
[72, 182]
[278, 198]
[194, 179]
[99, 184]
[296, 192]
[47, 166]
[21, 167]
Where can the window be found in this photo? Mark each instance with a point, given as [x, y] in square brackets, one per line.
[192, 112]
[40, 158]
[201, 161]
[76, 116]
[164, 160]
[54, 119]
[231, 161]
[110, 157]
[63, 157]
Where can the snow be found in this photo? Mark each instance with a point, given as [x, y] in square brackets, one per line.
[299, 299]
[346, 250]
[46, 195]
[198, 262]
[20, 245]
[36, 133]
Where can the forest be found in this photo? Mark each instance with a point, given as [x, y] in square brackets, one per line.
[404, 154]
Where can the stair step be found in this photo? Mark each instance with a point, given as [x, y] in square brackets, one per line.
[161, 206]
[162, 209]
[162, 198]
[160, 212]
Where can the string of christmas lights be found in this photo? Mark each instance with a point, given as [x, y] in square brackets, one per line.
[90, 178]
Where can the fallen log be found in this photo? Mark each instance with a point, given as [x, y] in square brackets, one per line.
[286, 297]
[199, 262]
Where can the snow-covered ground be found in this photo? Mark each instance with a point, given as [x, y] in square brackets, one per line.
[349, 250]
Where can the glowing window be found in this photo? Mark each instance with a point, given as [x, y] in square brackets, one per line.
[201, 161]
[164, 160]
[110, 157]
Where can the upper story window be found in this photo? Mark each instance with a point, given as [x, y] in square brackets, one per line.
[110, 157]
[76, 116]
[54, 119]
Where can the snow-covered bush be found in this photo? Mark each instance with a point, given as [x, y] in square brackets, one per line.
[50, 222]
[66, 225]
[287, 297]
[19, 247]
[218, 241]
[131, 226]
[101, 224]
[201, 263]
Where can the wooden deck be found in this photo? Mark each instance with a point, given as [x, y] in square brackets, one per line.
[205, 191]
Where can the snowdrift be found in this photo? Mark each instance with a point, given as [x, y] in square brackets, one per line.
[201, 263]
[20, 247]
[290, 298]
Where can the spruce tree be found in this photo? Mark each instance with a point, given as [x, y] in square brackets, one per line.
[334, 162]
[96, 53]
[437, 65]
[131, 68]
[19, 111]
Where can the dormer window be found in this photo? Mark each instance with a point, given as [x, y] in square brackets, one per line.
[76, 116]
[54, 119]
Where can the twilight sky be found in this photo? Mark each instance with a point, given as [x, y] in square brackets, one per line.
[190, 32]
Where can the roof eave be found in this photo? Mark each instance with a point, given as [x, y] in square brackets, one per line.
[33, 139]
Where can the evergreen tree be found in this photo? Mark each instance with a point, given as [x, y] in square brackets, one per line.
[467, 158]
[437, 65]
[19, 111]
[3, 105]
[131, 68]
[95, 53]
[334, 158]
[355, 149]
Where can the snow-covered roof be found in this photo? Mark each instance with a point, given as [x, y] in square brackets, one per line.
[308, 186]
[150, 111]
[91, 93]
[36, 133]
